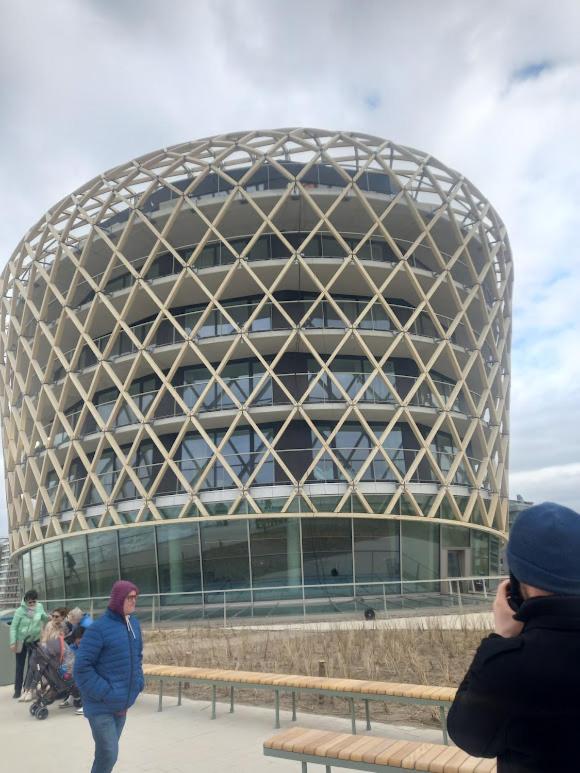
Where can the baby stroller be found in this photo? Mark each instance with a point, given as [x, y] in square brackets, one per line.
[52, 676]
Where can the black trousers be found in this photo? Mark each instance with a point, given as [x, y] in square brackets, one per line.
[21, 658]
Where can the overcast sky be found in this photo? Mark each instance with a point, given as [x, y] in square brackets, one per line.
[490, 88]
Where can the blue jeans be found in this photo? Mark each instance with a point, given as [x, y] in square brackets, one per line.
[106, 730]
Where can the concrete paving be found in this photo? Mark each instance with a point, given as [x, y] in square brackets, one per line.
[178, 740]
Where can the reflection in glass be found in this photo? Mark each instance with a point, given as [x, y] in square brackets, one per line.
[479, 553]
[275, 551]
[226, 561]
[420, 552]
[103, 562]
[53, 570]
[178, 557]
[36, 563]
[137, 556]
[376, 551]
[327, 550]
[75, 563]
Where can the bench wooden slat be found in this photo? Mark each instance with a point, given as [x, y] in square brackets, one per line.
[314, 744]
[371, 754]
[449, 761]
[396, 756]
[428, 757]
[362, 745]
[486, 766]
[388, 752]
[396, 689]
[409, 761]
[332, 748]
[276, 740]
[297, 744]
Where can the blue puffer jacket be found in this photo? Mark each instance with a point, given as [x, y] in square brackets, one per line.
[108, 666]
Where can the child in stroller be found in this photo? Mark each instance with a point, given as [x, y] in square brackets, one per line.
[52, 676]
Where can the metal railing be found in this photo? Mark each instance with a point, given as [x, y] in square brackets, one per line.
[229, 606]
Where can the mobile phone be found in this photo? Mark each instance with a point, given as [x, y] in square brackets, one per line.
[514, 594]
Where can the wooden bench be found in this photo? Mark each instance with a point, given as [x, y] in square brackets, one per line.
[364, 752]
[295, 684]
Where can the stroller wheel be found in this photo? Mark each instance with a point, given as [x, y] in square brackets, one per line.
[33, 709]
[41, 712]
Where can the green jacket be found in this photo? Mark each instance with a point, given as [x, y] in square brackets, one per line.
[25, 628]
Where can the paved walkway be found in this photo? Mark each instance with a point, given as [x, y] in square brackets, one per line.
[471, 621]
[179, 740]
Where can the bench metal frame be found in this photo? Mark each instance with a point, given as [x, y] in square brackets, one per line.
[278, 689]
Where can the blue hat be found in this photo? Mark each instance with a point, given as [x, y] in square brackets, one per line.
[544, 548]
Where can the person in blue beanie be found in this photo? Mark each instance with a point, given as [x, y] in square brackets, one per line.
[520, 699]
[108, 672]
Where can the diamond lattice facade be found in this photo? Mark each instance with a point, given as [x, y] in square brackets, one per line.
[263, 359]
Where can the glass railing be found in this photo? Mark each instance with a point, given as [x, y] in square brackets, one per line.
[269, 601]
[285, 389]
[266, 248]
[270, 317]
[343, 465]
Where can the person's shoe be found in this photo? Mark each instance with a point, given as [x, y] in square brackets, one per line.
[16, 695]
[25, 697]
[66, 703]
[80, 712]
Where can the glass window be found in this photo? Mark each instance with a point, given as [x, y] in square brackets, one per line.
[137, 556]
[178, 561]
[275, 552]
[260, 249]
[194, 453]
[327, 550]
[376, 550]
[494, 553]
[76, 570]
[420, 551]
[103, 562]
[454, 536]
[225, 556]
[479, 553]
[26, 572]
[53, 571]
[37, 566]
[192, 382]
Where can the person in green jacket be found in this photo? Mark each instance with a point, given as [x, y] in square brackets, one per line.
[25, 631]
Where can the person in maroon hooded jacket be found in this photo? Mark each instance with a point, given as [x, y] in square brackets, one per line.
[108, 672]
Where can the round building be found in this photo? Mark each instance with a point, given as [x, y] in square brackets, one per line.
[268, 367]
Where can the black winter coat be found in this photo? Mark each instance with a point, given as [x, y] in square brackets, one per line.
[520, 699]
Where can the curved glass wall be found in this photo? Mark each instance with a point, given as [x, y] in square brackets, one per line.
[263, 558]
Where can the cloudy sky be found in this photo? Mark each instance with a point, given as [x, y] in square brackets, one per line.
[491, 88]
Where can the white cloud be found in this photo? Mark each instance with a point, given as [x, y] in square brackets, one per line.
[98, 83]
[554, 484]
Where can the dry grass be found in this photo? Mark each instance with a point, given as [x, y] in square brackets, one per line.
[433, 656]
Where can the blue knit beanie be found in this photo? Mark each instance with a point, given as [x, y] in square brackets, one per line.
[544, 548]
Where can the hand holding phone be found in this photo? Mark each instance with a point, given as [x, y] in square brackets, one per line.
[514, 593]
[505, 623]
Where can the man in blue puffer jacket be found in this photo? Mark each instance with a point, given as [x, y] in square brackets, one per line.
[108, 671]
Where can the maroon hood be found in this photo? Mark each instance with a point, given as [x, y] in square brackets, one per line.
[119, 593]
